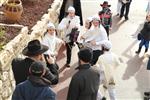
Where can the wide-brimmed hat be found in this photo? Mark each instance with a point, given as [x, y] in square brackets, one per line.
[105, 4]
[33, 48]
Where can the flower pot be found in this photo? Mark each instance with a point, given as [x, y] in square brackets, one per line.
[13, 10]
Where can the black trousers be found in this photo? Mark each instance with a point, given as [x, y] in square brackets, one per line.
[123, 8]
[96, 54]
[69, 47]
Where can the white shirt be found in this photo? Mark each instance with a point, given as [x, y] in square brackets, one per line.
[52, 42]
[72, 22]
[97, 34]
[107, 63]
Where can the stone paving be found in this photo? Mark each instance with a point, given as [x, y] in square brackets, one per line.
[132, 78]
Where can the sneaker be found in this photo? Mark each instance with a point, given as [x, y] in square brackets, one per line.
[147, 93]
[126, 18]
[120, 16]
[117, 14]
[103, 98]
[137, 52]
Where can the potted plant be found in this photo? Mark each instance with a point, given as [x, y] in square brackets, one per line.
[13, 10]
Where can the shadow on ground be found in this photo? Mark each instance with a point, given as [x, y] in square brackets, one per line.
[116, 23]
[133, 66]
[68, 73]
[62, 94]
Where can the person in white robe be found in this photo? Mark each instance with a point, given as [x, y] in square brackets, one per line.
[71, 21]
[52, 41]
[107, 64]
[93, 38]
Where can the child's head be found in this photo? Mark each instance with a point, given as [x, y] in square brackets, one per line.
[51, 28]
[71, 11]
[148, 17]
[88, 23]
[96, 21]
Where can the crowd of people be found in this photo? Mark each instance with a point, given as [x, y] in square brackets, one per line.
[35, 74]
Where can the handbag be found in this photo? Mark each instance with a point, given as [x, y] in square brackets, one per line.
[148, 64]
[73, 36]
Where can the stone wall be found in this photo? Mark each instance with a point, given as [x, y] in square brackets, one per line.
[13, 49]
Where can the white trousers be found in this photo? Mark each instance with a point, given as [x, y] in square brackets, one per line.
[111, 91]
[102, 91]
[119, 5]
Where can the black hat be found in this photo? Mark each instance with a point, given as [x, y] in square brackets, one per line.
[37, 68]
[85, 54]
[33, 48]
[105, 4]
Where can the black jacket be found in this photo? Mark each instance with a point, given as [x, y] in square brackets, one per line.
[76, 5]
[20, 68]
[84, 84]
[146, 31]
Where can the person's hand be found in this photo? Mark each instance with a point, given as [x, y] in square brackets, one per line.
[110, 28]
[93, 42]
[82, 38]
[50, 59]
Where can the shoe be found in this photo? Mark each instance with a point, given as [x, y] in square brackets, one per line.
[67, 65]
[103, 98]
[121, 16]
[137, 52]
[147, 93]
[126, 18]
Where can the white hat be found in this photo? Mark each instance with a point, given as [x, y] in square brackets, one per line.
[96, 17]
[71, 9]
[50, 25]
[106, 44]
[89, 19]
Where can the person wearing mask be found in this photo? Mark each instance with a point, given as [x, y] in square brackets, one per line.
[33, 52]
[36, 87]
[84, 83]
[69, 23]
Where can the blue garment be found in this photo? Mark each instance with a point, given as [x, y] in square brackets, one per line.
[27, 91]
[144, 42]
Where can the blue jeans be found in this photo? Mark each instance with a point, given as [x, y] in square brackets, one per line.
[145, 43]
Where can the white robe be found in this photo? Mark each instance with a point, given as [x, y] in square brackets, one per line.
[74, 22]
[97, 34]
[107, 64]
[52, 42]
